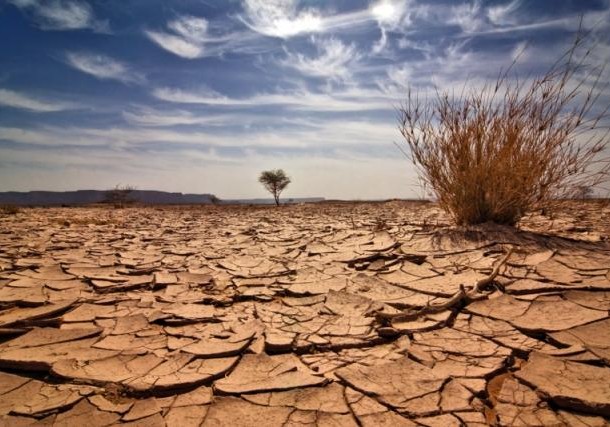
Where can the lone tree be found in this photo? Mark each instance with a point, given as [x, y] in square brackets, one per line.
[495, 153]
[275, 181]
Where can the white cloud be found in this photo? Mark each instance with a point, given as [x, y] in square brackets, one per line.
[285, 19]
[190, 37]
[334, 59]
[336, 133]
[21, 101]
[478, 19]
[468, 16]
[186, 37]
[457, 68]
[502, 14]
[190, 27]
[103, 67]
[175, 44]
[280, 18]
[329, 133]
[120, 137]
[61, 14]
[453, 66]
[201, 96]
[354, 99]
[144, 116]
[400, 76]
[380, 45]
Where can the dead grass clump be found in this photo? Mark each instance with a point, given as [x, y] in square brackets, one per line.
[9, 209]
[497, 153]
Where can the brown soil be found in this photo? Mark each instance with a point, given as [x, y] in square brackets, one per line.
[355, 314]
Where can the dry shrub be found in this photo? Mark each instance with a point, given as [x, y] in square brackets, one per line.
[497, 153]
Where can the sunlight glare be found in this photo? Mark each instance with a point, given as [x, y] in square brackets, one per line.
[383, 11]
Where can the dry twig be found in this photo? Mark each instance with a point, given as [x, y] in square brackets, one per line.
[462, 296]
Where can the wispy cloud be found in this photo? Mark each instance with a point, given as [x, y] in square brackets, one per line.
[103, 67]
[22, 101]
[175, 44]
[470, 17]
[453, 65]
[287, 18]
[329, 133]
[149, 117]
[200, 96]
[335, 59]
[191, 37]
[399, 79]
[284, 19]
[477, 19]
[280, 18]
[61, 15]
[504, 14]
[355, 99]
[185, 38]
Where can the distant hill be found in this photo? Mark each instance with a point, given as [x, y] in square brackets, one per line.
[83, 197]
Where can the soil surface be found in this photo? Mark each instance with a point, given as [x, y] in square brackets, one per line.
[344, 314]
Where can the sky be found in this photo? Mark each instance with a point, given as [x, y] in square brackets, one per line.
[200, 96]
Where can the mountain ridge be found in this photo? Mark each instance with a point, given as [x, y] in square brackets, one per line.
[84, 197]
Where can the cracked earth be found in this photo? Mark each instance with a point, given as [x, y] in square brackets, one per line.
[236, 316]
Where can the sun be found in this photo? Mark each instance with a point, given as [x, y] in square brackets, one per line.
[383, 11]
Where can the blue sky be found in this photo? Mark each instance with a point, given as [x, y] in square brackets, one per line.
[201, 95]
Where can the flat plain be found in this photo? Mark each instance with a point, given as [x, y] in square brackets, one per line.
[331, 314]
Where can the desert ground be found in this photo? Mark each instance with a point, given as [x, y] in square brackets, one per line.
[332, 314]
